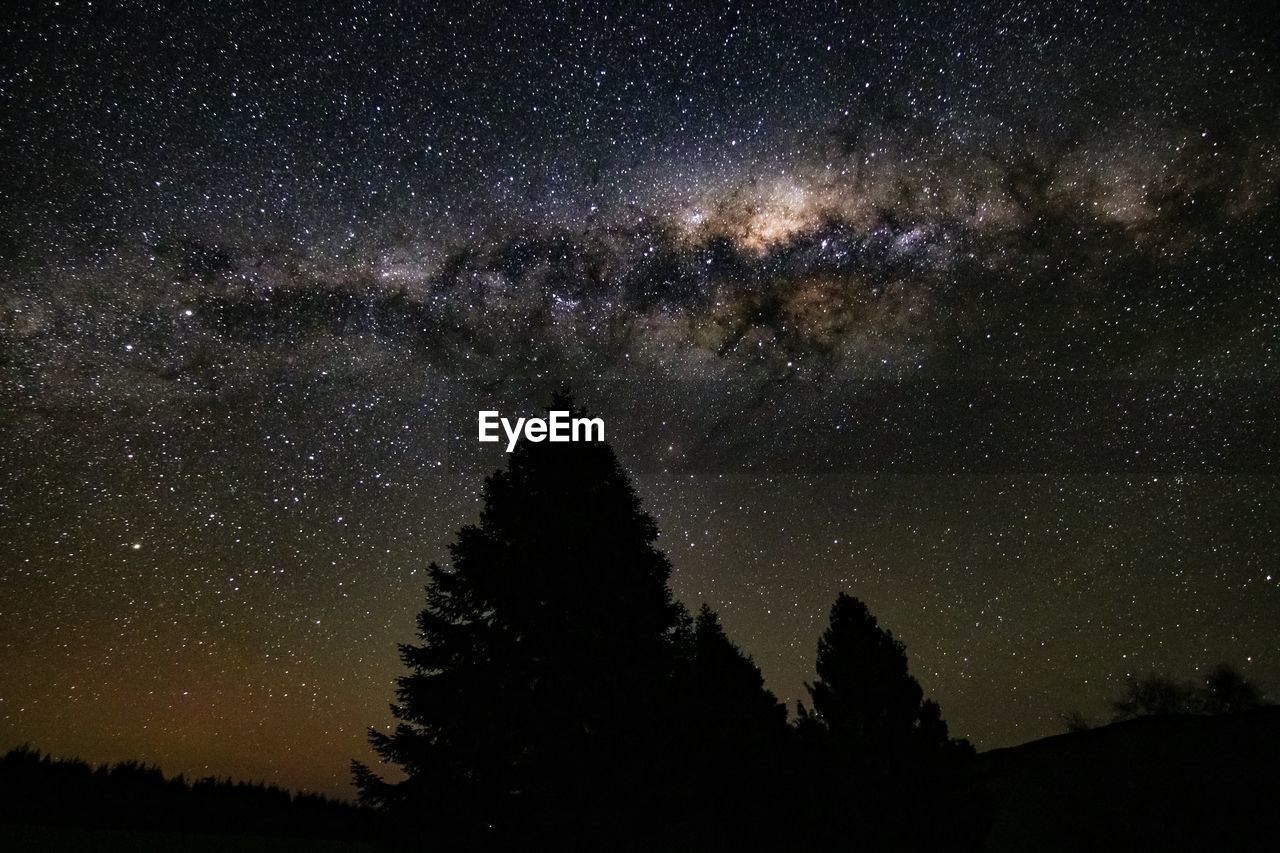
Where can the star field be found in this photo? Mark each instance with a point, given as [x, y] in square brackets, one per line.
[972, 313]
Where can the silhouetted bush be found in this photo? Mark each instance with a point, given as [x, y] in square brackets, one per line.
[1154, 694]
[1222, 689]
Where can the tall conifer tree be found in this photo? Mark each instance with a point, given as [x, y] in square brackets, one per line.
[540, 697]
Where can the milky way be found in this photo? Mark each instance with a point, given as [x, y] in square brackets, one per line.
[972, 313]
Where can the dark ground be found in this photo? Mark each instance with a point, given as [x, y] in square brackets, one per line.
[1155, 783]
[1152, 784]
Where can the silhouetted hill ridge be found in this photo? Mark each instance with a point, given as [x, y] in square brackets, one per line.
[1176, 782]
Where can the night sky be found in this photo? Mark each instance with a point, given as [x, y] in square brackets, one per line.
[971, 312]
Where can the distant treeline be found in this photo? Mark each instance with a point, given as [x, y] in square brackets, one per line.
[36, 788]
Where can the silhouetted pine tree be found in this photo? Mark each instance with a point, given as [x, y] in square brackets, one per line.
[727, 689]
[865, 695]
[736, 731]
[541, 698]
[874, 746]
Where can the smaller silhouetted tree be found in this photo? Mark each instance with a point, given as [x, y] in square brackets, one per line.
[876, 748]
[865, 695]
[736, 732]
[727, 691]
